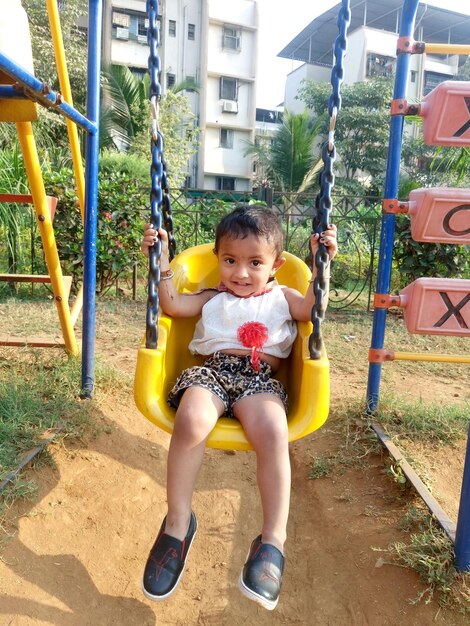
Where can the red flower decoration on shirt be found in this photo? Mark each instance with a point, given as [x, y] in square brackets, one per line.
[253, 335]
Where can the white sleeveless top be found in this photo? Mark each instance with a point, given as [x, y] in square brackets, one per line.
[224, 314]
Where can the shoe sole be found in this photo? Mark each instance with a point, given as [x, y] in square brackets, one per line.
[172, 591]
[270, 605]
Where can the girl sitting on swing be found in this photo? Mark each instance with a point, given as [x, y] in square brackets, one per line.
[247, 326]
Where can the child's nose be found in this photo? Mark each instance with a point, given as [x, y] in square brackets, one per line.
[242, 270]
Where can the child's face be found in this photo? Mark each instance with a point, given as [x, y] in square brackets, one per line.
[246, 264]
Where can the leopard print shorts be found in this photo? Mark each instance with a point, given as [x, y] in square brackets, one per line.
[229, 377]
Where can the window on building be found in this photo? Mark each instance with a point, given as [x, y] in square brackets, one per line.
[432, 80]
[228, 88]
[226, 138]
[142, 26]
[172, 28]
[231, 38]
[269, 116]
[225, 183]
[191, 84]
[170, 80]
[379, 65]
[121, 19]
[192, 32]
[138, 71]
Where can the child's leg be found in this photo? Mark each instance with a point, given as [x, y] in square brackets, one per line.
[197, 414]
[264, 421]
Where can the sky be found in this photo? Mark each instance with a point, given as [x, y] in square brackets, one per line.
[279, 22]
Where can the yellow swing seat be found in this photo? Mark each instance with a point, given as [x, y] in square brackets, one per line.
[307, 381]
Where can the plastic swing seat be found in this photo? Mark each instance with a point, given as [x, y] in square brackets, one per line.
[307, 381]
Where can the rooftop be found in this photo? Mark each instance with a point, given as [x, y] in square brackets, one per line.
[314, 44]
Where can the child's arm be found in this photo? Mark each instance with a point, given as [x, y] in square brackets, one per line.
[300, 306]
[172, 302]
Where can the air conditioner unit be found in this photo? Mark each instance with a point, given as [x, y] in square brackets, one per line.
[142, 39]
[230, 106]
[122, 33]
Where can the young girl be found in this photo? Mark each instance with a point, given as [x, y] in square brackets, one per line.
[247, 326]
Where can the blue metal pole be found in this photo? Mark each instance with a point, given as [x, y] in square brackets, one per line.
[49, 99]
[390, 191]
[95, 22]
[462, 533]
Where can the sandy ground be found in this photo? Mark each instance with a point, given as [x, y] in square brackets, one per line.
[74, 556]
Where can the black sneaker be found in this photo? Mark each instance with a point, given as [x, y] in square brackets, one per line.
[166, 561]
[261, 575]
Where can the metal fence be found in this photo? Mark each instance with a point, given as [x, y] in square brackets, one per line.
[196, 212]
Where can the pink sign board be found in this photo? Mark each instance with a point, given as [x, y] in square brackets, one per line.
[437, 306]
[440, 215]
[446, 114]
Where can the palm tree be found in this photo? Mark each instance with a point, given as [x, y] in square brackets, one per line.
[289, 162]
[125, 107]
[126, 112]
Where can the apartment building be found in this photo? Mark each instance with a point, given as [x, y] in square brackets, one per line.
[215, 43]
[372, 42]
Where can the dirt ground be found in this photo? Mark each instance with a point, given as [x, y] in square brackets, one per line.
[74, 556]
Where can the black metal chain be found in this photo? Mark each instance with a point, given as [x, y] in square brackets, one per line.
[323, 201]
[159, 193]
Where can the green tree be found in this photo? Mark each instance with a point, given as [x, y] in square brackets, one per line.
[127, 120]
[74, 43]
[289, 162]
[361, 132]
[50, 129]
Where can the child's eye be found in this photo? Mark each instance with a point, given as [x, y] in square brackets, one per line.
[256, 263]
[230, 261]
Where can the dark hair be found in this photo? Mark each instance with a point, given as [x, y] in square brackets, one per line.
[254, 220]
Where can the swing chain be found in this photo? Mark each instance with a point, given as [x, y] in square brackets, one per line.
[323, 201]
[159, 193]
[337, 72]
[156, 173]
[323, 205]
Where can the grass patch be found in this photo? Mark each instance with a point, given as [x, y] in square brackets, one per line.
[348, 334]
[357, 440]
[437, 423]
[321, 467]
[430, 553]
[39, 393]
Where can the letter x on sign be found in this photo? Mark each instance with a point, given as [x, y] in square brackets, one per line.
[453, 310]
[466, 126]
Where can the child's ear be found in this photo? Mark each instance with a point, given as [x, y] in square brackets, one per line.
[278, 263]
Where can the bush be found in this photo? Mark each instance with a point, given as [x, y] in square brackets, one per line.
[415, 259]
[121, 204]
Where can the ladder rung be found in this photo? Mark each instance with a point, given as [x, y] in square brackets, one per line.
[32, 342]
[21, 198]
[35, 278]
[25, 278]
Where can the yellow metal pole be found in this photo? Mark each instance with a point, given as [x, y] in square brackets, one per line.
[66, 92]
[446, 48]
[442, 358]
[64, 81]
[36, 184]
